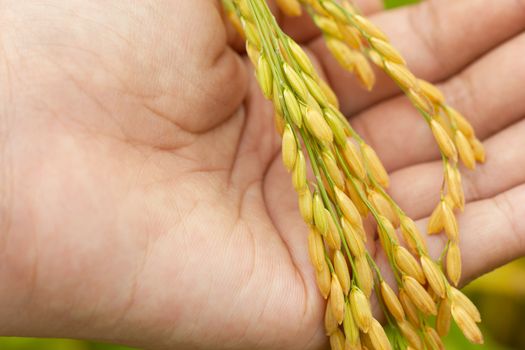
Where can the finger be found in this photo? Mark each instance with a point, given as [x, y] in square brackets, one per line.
[489, 93]
[437, 38]
[416, 188]
[492, 233]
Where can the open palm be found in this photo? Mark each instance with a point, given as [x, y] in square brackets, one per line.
[143, 199]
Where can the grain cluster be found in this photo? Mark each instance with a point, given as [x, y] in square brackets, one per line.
[349, 181]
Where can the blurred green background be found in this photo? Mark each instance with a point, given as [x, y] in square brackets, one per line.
[500, 296]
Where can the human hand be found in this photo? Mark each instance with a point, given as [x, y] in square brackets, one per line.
[143, 199]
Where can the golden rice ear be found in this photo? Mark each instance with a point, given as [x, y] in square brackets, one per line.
[361, 310]
[401, 75]
[369, 28]
[318, 126]
[454, 263]
[342, 271]
[387, 51]
[444, 317]
[467, 325]
[410, 333]
[392, 302]
[330, 323]
[337, 340]
[289, 148]
[444, 141]
[378, 336]
[419, 296]
[434, 276]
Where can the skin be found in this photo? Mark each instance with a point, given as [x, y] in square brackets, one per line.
[143, 200]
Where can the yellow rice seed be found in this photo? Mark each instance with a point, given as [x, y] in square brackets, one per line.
[376, 58]
[361, 310]
[392, 302]
[365, 277]
[433, 339]
[387, 233]
[318, 126]
[319, 214]
[444, 141]
[251, 34]
[316, 4]
[431, 92]
[329, 93]
[455, 189]
[434, 276]
[328, 26]
[306, 206]
[265, 77]
[408, 264]
[369, 28]
[466, 153]
[443, 317]
[349, 7]
[314, 89]
[420, 101]
[332, 238]
[292, 105]
[467, 325]
[378, 336]
[355, 236]
[350, 36]
[354, 241]
[342, 53]
[348, 208]
[333, 169]
[410, 334]
[410, 309]
[300, 57]
[245, 11]
[335, 11]
[299, 173]
[461, 122]
[479, 150]
[454, 263]
[353, 157]
[279, 123]
[253, 53]
[383, 206]
[461, 300]
[336, 125]
[289, 148]
[342, 271]
[350, 328]
[316, 249]
[324, 279]
[411, 235]
[337, 340]
[364, 71]
[330, 323]
[401, 75]
[386, 50]
[375, 166]
[353, 189]
[450, 223]
[296, 82]
[337, 299]
[419, 296]
[436, 223]
[278, 98]
[290, 8]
